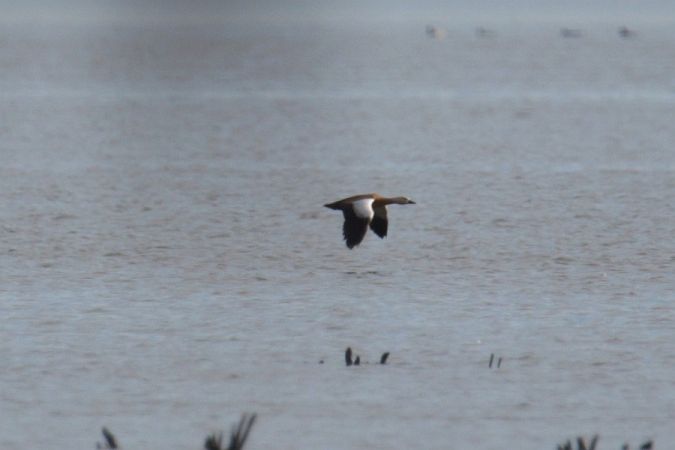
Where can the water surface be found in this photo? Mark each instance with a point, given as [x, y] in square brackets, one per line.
[167, 263]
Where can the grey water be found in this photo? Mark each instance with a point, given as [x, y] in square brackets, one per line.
[166, 263]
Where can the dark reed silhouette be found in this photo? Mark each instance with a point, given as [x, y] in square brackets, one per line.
[238, 435]
[241, 430]
[581, 444]
[110, 441]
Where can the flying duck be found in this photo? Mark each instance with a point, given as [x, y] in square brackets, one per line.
[363, 210]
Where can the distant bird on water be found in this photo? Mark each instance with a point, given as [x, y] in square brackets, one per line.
[365, 210]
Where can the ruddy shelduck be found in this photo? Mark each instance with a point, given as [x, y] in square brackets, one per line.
[365, 210]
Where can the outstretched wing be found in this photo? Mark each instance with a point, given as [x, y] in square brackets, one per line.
[354, 228]
[379, 222]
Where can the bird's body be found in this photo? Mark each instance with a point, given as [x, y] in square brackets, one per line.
[361, 211]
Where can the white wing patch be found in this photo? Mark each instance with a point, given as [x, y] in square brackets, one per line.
[363, 209]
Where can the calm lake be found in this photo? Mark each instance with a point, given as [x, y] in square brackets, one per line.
[166, 263]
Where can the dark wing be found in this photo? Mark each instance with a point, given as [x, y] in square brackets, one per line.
[354, 228]
[379, 222]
